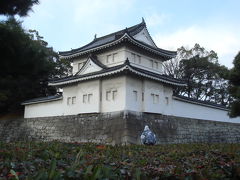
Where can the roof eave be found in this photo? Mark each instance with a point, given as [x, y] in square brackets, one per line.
[125, 36]
[200, 103]
[126, 67]
[41, 101]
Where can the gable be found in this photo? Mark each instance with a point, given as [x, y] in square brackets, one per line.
[89, 67]
[145, 37]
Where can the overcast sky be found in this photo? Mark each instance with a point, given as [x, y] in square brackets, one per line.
[214, 24]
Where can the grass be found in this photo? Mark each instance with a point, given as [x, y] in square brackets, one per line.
[55, 161]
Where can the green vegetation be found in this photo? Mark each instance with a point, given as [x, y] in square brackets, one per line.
[235, 87]
[26, 65]
[206, 79]
[19, 7]
[53, 161]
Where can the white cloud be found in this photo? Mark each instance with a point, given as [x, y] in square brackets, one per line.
[224, 41]
[85, 9]
[155, 19]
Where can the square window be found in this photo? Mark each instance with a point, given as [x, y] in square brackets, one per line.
[156, 64]
[108, 94]
[135, 95]
[80, 65]
[151, 63]
[139, 59]
[74, 100]
[109, 58]
[90, 97]
[114, 94]
[167, 100]
[69, 100]
[133, 57]
[156, 99]
[114, 57]
[152, 97]
[85, 98]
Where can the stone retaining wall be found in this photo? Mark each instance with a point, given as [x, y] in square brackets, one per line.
[119, 128]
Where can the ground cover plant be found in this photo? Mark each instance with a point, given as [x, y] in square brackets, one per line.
[55, 161]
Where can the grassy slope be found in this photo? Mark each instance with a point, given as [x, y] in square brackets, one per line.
[53, 160]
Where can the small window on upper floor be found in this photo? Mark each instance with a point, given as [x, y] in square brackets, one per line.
[167, 100]
[108, 95]
[155, 98]
[114, 57]
[135, 96]
[109, 58]
[133, 56]
[90, 98]
[155, 64]
[139, 59]
[114, 95]
[85, 98]
[74, 100]
[69, 100]
[111, 95]
[80, 65]
[151, 63]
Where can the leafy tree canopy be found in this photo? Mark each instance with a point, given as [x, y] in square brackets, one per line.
[235, 87]
[26, 65]
[205, 77]
[16, 7]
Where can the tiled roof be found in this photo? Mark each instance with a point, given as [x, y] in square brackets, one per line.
[43, 99]
[113, 38]
[200, 102]
[126, 67]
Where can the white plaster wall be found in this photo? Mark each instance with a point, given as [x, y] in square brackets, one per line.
[145, 87]
[118, 104]
[133, 103]
[145, 61]
[78, 90]
[119, 58]
[166, 100]
[185, 109]
[52, 108]
[156, 88]
[121, 54]
[75, 64]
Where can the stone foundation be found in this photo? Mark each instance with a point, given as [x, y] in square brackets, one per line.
[119, 128]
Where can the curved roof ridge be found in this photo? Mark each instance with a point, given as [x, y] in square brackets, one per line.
[126, 66]
[131, 31]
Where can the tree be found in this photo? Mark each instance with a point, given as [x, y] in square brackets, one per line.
[26, 65]
[205, 77]
[16, 7]
[234, 78]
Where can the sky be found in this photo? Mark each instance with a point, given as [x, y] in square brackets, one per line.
[214, 24]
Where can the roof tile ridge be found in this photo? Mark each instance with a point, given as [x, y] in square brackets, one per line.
[116, 32]
[161, 75]
[199, 101]
[156, 48]
[72, 50]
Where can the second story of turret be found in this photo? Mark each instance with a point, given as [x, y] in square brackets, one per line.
[133, 43]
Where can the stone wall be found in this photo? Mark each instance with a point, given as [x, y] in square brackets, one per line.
[172, 129]
[119, 128]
